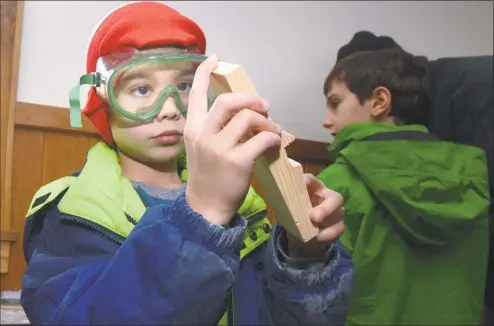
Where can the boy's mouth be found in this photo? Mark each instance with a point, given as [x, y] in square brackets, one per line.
[168, 137]
[168, 133]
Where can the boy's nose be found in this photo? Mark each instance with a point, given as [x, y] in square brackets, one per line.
[327, 123]
[169, 111]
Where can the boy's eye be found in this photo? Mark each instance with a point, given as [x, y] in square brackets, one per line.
[142, 90]
[333, 104]
[184, 86]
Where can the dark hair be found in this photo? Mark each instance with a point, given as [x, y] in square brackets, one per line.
[398, 71]
[366, 41]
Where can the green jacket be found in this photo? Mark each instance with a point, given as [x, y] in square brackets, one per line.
[416, 224]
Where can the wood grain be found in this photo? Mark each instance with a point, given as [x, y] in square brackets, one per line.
[8, 236]
[10, 37]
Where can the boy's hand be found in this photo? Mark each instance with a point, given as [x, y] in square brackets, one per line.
[328, 213]
[219, 165]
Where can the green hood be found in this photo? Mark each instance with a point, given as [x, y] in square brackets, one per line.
[433, 191]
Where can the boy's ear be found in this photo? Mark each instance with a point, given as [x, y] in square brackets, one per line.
[381, 106]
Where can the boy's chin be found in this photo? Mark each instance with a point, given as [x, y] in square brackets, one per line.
[164, 154]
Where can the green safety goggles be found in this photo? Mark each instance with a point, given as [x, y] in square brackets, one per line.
[138, 84]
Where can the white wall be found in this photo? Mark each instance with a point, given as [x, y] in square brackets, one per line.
[287, 48]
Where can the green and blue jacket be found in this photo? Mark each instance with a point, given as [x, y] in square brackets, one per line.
[97, 254]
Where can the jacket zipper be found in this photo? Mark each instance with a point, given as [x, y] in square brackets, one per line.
[93, 226]
[130, 218]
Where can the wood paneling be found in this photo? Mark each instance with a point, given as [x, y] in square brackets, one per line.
[314, 167]
[49, 117]
[40, 156]
[308, 150]
[10, 38]
[56, 118]
[4, 256]
[311, 154]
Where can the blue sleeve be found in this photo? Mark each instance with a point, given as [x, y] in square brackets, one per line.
[318, 295]
[174, 268]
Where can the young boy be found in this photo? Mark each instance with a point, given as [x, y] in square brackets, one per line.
[126, 242]
[416, 208]
[462, 111]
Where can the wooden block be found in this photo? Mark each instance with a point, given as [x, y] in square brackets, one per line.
[277, 178]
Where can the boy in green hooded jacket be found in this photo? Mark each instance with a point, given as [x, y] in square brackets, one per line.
[416, 207]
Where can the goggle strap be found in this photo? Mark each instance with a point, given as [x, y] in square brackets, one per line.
[75, 101]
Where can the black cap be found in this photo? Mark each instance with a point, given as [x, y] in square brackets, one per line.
[366, 41]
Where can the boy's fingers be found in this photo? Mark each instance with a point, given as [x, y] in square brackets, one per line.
[198, 98]
[331, 233]
[256, 146]
[241, 124]
[228, 105]
[330, 208]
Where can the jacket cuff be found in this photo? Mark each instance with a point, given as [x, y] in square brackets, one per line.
[314, 263]
[196, 228]
[283, 273]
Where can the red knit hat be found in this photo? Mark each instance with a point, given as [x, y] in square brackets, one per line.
[139, 24]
